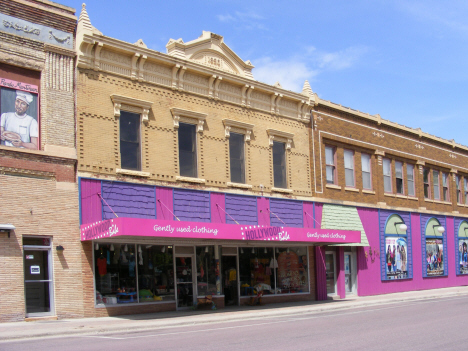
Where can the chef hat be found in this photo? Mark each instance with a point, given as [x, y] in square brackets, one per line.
[24, 96]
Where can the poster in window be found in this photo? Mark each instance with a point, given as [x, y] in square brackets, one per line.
[434, 257]
[291, 276]
[396, 258]
[19, 114]
[463, 255]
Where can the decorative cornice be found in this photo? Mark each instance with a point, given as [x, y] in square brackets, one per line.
[142, 106]
[245, 127]
[273, 133]
[200, 118]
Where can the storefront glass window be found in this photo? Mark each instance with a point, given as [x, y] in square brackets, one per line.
[207, 272]
[291, 273]
[434, 248]
[155, 273]
[463, 247]
[115, 273]
[273, 270]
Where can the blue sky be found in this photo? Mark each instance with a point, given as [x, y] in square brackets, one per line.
[405, 60]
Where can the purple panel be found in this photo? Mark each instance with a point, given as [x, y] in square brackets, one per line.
[262, 211]
[217, 208]
[308, 208]
[242, 208]
[321, 275]
[91, 210]
[287, 211]
[164, 207]
[405, 216]
[192, 205]
[128, 200]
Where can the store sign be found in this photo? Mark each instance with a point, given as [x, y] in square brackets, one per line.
[195, 230]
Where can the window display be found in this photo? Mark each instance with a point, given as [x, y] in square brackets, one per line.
[273, 271]
[207, 272]
[129, 273]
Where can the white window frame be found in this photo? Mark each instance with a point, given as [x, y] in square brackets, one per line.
[410, 182]
[436, 184]
[364, 172]
[399, 164]
[388, 175]
[137, 106]
[445, 186]
[349, 169]
[331, 165]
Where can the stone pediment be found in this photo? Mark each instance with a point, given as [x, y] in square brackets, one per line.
[210, 50]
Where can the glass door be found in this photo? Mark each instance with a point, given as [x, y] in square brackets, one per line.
[230, 286]
[38, 284]
[330, 273]
[350, 273]
[184, 282]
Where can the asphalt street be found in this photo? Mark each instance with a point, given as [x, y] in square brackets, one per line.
[431, 324]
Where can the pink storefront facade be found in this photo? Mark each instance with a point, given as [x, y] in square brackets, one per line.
[372, 262]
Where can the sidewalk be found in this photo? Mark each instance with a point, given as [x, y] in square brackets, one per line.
[141, 322]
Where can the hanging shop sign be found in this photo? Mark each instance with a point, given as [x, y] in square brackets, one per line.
[195, 230]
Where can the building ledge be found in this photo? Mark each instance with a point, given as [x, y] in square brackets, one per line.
[133, 173]
[333, 186]
[239, 185]
[282, 190]
[191, 180]
[367, 191]
[351, 189]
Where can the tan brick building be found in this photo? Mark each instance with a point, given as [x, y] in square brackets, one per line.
[39, 248]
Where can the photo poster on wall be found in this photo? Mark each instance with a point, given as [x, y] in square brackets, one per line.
[463, 255]
[19, 113]
[396, 258]
[435, 257]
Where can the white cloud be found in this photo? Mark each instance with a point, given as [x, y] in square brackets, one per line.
[293, 71]
[452, 16]
[243, 20]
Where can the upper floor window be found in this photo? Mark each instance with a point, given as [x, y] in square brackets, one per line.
[445, 187]
[387, 174]
[130, 148]
[436, 186]
[349, 167]
[410, 179]
[19, 117]
[458, 185]
[466, 190]
[426, 176]
[279, 165]
[187, 150]
[399, 177]
[236, 158]
[366, 171]
[330, 160]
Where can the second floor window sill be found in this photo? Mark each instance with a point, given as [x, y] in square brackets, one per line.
[239, 185]
[191, 180]
[282, 190]
[133, 173]
[347, 188]
[389, 195]
[333, 186]
[367, 191]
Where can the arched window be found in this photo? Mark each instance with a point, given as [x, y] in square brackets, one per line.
[462, 267]
[396, 255]
[435, 249]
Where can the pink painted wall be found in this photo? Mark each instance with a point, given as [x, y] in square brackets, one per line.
[263, 205]
[369, 269]
[91, 206]
[217, 213]
[164, 203]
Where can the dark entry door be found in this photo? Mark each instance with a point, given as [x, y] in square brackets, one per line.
[37, 281]
[230, 289]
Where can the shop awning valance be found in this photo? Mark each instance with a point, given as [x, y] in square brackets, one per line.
[140, 227]
[337, 217]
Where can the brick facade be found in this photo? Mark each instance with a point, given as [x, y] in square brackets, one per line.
[39, 189]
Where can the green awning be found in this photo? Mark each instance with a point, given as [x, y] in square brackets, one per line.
[343, 217]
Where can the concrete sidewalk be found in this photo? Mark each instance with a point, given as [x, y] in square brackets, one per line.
[142, 322]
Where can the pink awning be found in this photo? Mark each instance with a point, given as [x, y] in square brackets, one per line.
[139, 227]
